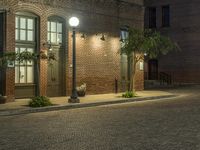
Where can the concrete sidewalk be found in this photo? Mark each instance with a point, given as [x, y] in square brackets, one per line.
[20, 106]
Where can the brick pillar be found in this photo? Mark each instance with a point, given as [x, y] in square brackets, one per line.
[10, 46]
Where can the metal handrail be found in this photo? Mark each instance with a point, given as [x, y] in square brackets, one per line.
[165, 78]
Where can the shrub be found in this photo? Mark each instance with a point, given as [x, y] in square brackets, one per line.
[129, 94]
[40, 101]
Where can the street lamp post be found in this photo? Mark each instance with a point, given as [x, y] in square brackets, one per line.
[74, 22]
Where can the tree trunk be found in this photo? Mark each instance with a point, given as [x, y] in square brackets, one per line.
[133, 71]
[129, 73]
[133, 75]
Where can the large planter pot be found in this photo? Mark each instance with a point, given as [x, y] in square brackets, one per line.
[3, 99]
[81, 93]
[81, 90]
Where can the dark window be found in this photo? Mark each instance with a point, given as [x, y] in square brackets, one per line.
[165, 16]
[152, 17]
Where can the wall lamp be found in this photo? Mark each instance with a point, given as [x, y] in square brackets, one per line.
[83, 35]
[103, 37]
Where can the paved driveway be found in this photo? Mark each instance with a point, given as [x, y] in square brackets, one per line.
[168, 124]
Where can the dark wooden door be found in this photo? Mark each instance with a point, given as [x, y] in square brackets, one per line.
[56, 73]
[153, 69]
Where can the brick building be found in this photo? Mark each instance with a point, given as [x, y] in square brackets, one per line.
[28, 25]
[178, 19]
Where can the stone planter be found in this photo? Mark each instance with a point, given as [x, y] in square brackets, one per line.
[3, 99]
[81, 93]
[81, 90]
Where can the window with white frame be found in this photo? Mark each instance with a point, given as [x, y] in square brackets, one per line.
[25, 30]
[24, 70]
[55, 32]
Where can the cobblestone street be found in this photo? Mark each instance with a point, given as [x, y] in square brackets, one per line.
[167, 124]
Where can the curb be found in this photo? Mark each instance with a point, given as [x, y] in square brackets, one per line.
[79, 105]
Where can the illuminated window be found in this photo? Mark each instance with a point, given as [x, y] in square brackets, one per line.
[25, 31]
[24, 71]
[55, 34]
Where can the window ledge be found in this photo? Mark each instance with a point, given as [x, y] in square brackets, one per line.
[25, 84]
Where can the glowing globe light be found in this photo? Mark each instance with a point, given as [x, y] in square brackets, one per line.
[73, 21]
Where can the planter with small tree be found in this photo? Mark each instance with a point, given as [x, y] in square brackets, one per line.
[144, 42]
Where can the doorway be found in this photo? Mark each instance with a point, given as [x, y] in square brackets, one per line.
[56, 82]
[153, 69]
[56, 69]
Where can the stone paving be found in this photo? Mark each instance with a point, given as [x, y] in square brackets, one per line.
[167, 124]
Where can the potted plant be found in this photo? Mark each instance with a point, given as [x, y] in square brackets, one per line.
[81, 90]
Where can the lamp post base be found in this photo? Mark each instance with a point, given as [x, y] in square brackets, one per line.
[73, 100]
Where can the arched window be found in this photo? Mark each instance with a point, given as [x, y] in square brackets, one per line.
[25, 40]
[55, 30]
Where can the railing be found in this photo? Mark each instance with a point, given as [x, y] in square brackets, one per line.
[165, 78]
[151, 76]
[146, 76]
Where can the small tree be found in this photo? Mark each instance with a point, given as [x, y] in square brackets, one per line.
[149, 42]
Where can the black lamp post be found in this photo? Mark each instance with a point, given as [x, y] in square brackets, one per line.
[74, 22]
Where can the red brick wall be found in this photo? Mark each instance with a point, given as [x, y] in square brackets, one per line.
[10, 46]
[139, 82]
[184, 29]
[98, 62]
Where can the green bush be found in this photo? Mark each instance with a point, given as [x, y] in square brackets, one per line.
[40, 101]
[129, 94]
